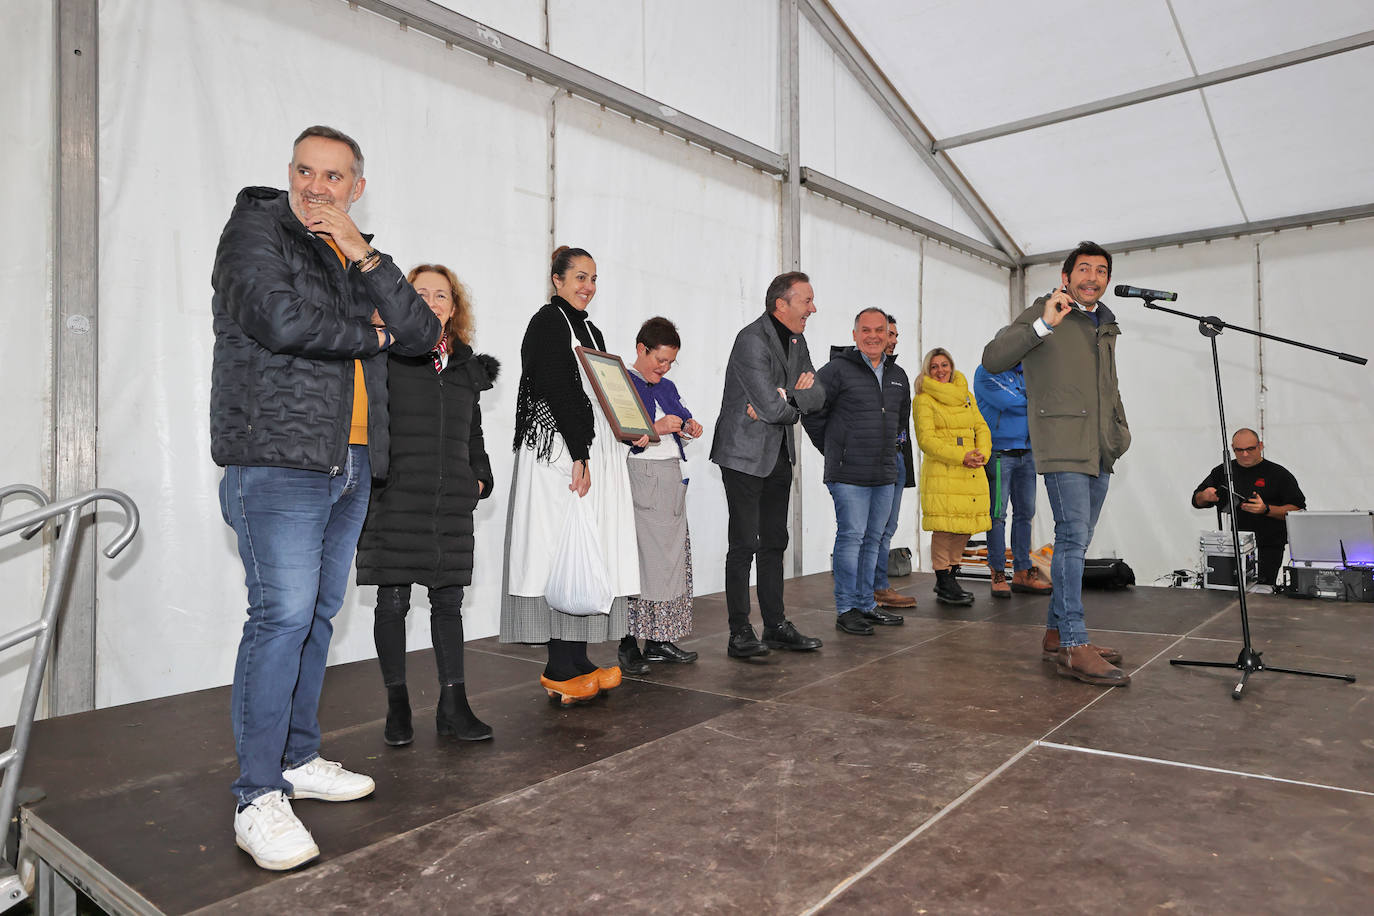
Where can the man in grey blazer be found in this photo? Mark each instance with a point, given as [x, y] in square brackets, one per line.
[769, 384]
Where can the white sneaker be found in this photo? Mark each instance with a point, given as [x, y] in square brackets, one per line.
[272, 834]
[327, 781]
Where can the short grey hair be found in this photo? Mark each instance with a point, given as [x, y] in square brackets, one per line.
[863, 312]
[329, 133]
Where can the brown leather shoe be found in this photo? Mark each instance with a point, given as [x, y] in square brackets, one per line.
[888, 597]
[1030, 581]
[1083, 663]
[1049, 648]
[1000, 588]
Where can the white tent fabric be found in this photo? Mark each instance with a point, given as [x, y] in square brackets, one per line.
[26, 199]
[855, 262]
[479, 167]
[845, 135]
[1288, 139]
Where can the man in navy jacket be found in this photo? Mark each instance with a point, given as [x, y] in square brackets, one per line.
[856, 429]
[1011, 474]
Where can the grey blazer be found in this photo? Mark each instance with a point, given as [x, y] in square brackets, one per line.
[758, 367]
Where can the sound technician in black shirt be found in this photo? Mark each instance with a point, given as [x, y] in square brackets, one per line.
[1265, 493]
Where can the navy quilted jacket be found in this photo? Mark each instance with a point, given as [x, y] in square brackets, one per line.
[857, 427]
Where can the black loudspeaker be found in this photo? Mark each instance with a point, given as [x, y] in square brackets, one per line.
[1107, 573]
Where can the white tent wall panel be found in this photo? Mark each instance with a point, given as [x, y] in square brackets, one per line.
[855, 262]
[846, 136]
[716, 60]
[210, 90]
[1164, 367]
[27, 45]
[1319, 411]
[963, 304]
[1039, 182]
[679, 232]
[1290, 150]
[520, 19]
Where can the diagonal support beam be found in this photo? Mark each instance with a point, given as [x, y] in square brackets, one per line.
[1300, 221]
[890, 102]
[470, 35]
[837, 190]
[1240, 71]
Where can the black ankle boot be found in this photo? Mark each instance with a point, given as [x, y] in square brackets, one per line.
[454, 719]
[947, 590]
[398, 730]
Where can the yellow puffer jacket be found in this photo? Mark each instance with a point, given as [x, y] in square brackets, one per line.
[953, 498]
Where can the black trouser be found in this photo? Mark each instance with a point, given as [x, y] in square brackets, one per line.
[758, 529]
[1270, 562]
[445, 628]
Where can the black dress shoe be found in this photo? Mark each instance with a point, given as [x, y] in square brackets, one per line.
[631, 660]
[667, 652]
[786, 636]
[853, 621]
[744, 644]
[883, 618]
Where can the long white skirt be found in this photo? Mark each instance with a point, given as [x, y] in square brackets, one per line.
[539, 501]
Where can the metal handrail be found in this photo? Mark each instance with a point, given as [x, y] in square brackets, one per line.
[43, 629]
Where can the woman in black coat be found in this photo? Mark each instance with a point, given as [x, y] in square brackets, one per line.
[419, 528]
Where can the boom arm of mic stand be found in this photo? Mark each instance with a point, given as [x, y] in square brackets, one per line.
[1218, 325]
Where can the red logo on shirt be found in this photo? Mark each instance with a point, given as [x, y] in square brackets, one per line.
[1259, 482]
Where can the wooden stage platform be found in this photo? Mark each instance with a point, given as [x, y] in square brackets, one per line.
[936, 767]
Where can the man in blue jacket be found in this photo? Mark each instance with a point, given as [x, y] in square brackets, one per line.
[304, 312]
[856, 429]
[1011, 475]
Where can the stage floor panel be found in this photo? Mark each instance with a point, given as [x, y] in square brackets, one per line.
[767, 784]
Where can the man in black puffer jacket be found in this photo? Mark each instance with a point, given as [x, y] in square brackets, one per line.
[865, 398]
[304, 310]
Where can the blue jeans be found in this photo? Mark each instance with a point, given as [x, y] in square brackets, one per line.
[1076, 500]
[880, 580]
[297, 532]
[1011, 476]
[861, 514]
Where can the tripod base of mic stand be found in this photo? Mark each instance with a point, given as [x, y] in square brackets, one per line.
[1248, 662]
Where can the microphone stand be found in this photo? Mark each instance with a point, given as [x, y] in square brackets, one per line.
[1248, 662]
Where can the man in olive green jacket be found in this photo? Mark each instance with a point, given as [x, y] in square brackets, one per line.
[1066, 344]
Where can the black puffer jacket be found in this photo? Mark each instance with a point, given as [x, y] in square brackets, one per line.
[856, 430]
[289, 320]
[419, 522]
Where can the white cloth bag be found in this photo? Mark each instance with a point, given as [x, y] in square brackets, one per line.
[577, 576]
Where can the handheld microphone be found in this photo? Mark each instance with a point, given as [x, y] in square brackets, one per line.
[1134, 292]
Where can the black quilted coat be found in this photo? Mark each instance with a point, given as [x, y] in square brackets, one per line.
[289, 320]
[419, 523]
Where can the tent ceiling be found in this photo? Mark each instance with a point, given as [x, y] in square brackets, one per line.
[1286, 142]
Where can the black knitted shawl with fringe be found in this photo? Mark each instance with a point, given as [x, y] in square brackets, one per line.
[551, 400]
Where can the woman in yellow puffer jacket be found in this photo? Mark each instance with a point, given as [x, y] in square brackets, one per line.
[955, 444]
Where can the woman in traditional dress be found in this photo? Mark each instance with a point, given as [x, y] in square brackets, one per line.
[662, 612]
[565, 451]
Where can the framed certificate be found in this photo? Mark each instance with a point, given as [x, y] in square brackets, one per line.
[617, 393]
